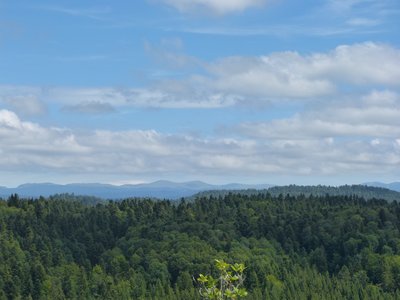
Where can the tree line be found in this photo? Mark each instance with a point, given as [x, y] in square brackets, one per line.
[293, 247]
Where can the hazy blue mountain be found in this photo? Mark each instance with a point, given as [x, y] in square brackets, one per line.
[159, 189]
[395, 186]
[367, 192]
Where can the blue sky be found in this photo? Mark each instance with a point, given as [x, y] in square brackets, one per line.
[252, 91]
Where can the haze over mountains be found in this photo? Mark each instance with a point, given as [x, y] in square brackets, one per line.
[159, 189]
[395, 186]
[163, 189]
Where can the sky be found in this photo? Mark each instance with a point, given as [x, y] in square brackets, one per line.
[250, 91]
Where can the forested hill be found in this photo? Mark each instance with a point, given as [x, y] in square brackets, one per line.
[366, 192]
[328, 247]
[161, 189]
[93, 193]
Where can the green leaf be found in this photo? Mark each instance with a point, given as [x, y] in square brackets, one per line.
[202, 278]
[221, 265]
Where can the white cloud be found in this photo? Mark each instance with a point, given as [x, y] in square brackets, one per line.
[26, 144]
[219, 7]
[375, 142]
[283, 75]
[274, 76]
[239, 80]
[372, 116]
[366, 63]
[75, 96]
[147, 153]
[27, 105]
[166, 94]
[24, 100]
[290, 74]
[9, 119]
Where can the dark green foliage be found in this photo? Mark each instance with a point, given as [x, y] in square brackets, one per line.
[304, 247]
[87, 200]
[366, 192]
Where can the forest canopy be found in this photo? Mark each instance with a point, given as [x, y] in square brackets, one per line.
[304, 247]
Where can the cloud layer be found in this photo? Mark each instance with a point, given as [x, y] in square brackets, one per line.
[349, 121]
[290, 74]
[361, 139]
[233, 81]
[372, 116]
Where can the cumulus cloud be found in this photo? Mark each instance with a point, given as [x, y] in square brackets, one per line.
[290, 74]
[239, 80]
[27, 105]
[375, 115]
[219, 7]
[24, 100]
[367, 63]
[29, 146]
[276, 76]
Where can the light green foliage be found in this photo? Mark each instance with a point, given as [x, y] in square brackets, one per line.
[227, 285]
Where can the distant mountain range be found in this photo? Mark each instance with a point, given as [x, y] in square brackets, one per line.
[173, 190]
[160, 189]
[395, 186]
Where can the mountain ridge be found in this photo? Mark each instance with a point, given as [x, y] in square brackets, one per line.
[395, 186]
[367, 192]
[162, 189]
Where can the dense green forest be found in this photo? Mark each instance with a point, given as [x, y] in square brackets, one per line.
[303, 247]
